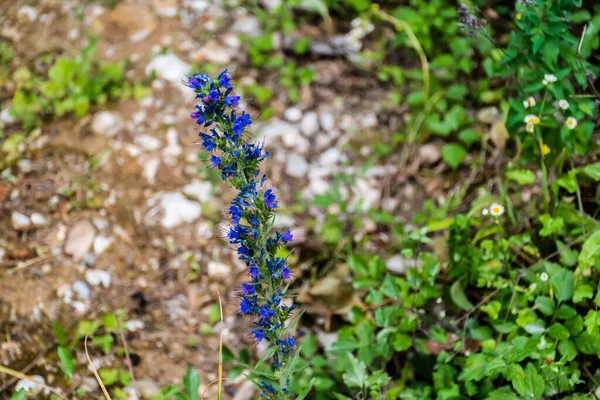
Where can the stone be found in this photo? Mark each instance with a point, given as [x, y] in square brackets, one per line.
[173, 150]
[30, 387]
[398, 264]
[326, 120]
[147, 142]
[150, 168]
[82, 289]
[430, 153]
[310, 124]
[90, 384]
[38, 219]
[293, 114]
[106, 123]
[147, 388]
[89, 260]
[215, 53]
[246, 391]
[80, 239]
[27, 12]
[101, 243]
[166, 8]
[20, 222]
[168, 67]
[97, 277]
[201, 191]
[270, 4]
[296, 166]
[218, 270]
[25, 165]
[246, 24]
[177, 209]
[330, 156]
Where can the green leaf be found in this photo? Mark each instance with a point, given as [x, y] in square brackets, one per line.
[558, 331]
[583, 292]
[590, 252]
[316, 6]
[18, 395]
[592, 322]
[522, 176]
[191, 383]
[457, 294]
[67, 362]
[105, 341]
[61, 337]
[502, 394]
[453, 154]
[356, 376]
[528, 383]
[306, 390]
[551, 225]
[592, 171]
[567, 349]
[562, 282]
[545, 305]
[109, 376]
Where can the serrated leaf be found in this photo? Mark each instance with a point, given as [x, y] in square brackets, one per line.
[562, 282]
[528, 383]
[457, 294]
[583, 292]
[356, 376]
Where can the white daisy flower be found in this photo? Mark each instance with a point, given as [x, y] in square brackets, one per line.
[531, 119]
[496, 209]
[571, 123]
[530, 102]
[545, 82]
[485, 211]
[530, 128]
[550, 78]
[563, 104]
[544, 276]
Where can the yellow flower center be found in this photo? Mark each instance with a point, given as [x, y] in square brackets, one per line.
[496, 210]
[519, 16]
[570, 122]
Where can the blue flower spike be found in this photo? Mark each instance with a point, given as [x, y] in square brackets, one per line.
[251, 211]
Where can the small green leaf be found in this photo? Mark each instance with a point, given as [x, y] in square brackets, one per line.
[18, 395]
[522, 176]
[590, 252]
[109, 376]
[306, 390]
[453, 154]
[592, 322]
[457, 294]
[191, 383]
[545, 305]
[528, 383]
[583, 292]
[67, 362]
[558, 331]
[562, 281]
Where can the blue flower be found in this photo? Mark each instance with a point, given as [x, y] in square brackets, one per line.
[270, 199]
[214, 95]
[258, 334]
[207, 142]
[286, 237]
[266, 312]
[241, 123]
[224, 80]
[246, 306]
[232, 100]
[236, 214]
[215, 161]
[247, 289]
[286, 273]
[197, 81]
[254, 272]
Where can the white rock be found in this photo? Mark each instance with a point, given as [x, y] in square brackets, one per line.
[106, 123]
[168, 67]
[310, 124]
[173, 149]
[24, 165]
[296, 166]
[20, 222]
[166, 8]
[293, 114]
[38, 219]
[80, 239]
[216, 53]
[246, 391]
[5, 117]
[89, 384]
[29, 386]
[150, 168]
[326, 120]
[101, 243]
[97, 277]
[270, 4]
[232, 41]
[318, 186]
[283, 221]
[148, 142]
[430, 153]
[135, 325]
[28, 12]
[217, 269]
[147, 388]
[398, 264]
[178, 209]
[199, 190]
[246, 24]
[330, 156]
[368, 120]
[82, 289]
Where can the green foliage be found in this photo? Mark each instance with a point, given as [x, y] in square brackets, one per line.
[72, 86]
